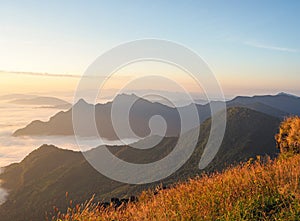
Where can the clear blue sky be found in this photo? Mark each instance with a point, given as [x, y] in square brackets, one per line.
[249, 44]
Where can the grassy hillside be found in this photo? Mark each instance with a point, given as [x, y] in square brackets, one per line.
[252, 191]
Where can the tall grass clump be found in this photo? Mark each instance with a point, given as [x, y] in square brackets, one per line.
[288, 138]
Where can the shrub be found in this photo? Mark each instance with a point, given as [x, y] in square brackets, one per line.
[288, 138]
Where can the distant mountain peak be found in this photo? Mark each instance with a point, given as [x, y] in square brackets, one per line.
[81, 102]
[124, 97]
[286, 94]
[47, 148]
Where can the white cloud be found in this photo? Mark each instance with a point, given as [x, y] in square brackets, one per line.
[270, 47]
[40, 74]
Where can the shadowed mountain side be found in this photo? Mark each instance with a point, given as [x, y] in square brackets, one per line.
[248, 133]
[263, 108]
[141, 156]
[44, 176]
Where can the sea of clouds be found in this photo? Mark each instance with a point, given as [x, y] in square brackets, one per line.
[14, 149]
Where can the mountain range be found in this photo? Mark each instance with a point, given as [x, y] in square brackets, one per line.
[140, 114]
[41, 180]
[142, 110]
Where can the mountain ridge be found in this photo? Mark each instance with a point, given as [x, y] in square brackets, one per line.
[143, 110]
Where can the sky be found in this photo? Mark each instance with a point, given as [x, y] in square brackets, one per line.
[253, 47]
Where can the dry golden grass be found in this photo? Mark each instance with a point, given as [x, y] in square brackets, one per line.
[288, 138]
[253, 191]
